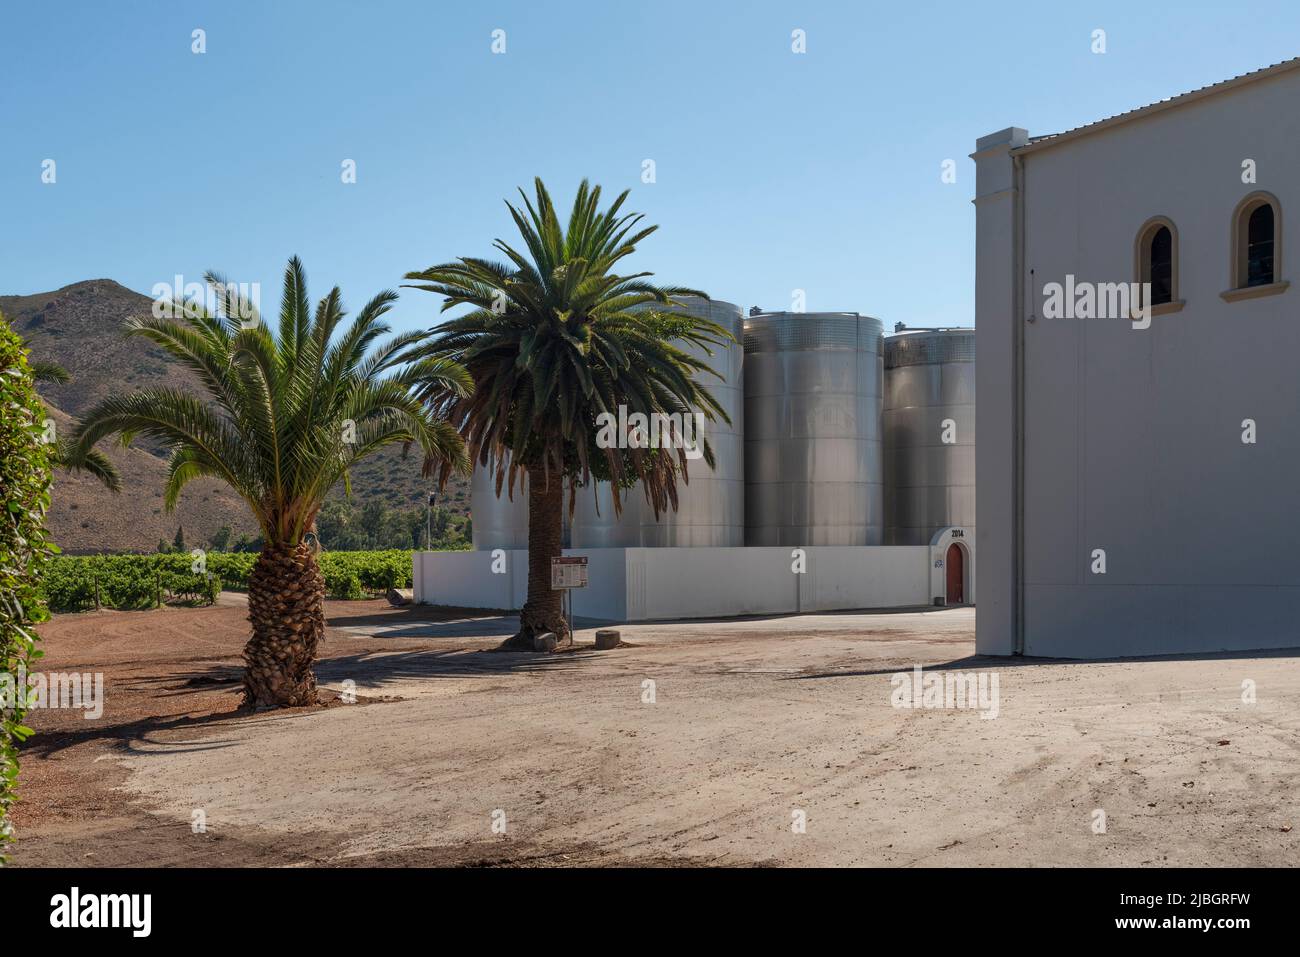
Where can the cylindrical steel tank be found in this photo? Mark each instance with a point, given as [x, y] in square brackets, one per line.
[929, 433]
[498, 522]
[502, 522]
[813, 457]
[711, 506]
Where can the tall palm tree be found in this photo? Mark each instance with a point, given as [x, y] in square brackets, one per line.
[554, 339]
[287, 414]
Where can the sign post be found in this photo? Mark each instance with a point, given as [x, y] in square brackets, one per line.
[568, 572]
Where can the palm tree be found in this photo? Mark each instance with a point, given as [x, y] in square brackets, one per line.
[554, 339]
[287, 414]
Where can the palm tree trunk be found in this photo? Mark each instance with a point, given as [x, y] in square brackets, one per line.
[286, 605]
[542, 610]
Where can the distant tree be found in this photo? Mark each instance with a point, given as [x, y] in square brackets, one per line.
[395, 530]
[371, 519]
[178, 543]
[247, 543]
[331, 522]
[441, 521]
[343, 527]
[415, 527]
[220, 540]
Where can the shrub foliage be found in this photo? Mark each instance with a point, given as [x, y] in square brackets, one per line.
[24, 551]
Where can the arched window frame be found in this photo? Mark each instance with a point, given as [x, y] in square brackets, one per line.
[1238, 267]
[1142, 262]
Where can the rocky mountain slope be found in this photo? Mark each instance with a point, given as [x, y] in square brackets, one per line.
[80, 328]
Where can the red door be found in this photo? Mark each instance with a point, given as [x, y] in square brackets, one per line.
[955, 575]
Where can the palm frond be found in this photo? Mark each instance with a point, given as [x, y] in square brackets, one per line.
[50, 372]
[92, 461]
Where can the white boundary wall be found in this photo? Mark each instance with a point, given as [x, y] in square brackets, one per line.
[646, 584]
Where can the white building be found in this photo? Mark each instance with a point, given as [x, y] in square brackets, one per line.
[1138, 486]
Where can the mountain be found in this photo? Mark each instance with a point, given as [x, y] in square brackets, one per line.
[86, 517]
[80, 328]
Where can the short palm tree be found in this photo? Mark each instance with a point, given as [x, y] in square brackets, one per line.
[287, 414]
[555, 338]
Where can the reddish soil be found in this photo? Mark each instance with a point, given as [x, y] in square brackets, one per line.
[174, 675]
[696, 745]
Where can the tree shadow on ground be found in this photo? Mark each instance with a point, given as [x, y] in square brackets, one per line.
[133, 736]
[502, 626]
[377, 669]
[413, 614]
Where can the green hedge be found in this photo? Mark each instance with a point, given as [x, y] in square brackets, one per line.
[75, 583]
[24, 551]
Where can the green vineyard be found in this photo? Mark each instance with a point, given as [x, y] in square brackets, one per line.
[77, 583]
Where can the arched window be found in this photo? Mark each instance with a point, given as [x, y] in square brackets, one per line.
[1256, 248]
[1162, 266]
[1259, 246]
[1157, 262]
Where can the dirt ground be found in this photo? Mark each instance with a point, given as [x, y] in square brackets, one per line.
[699, 743]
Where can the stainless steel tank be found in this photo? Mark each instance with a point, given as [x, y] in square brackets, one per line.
[498, 522]
[929, 433]
[711, 506]
[813, 456]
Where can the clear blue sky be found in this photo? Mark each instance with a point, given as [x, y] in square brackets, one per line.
[775, 171]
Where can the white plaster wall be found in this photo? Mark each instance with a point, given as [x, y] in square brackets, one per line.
[1133, 437]
[710, 582]
[885, 576]
[994, 390]
[465, 579]
[640, 584]
[605, 596]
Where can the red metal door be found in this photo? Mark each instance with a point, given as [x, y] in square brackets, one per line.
[956, 574]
